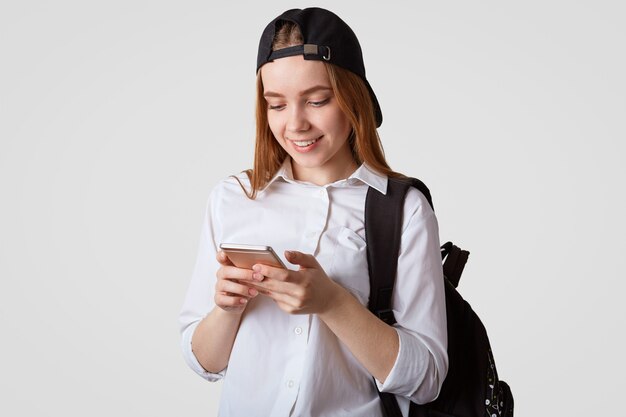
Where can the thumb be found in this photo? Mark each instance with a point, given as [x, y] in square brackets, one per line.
[305, 260]
[222, 258]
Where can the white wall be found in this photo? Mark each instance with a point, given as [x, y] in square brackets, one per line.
[117, 117]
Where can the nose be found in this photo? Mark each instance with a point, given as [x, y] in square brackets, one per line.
[297, 121]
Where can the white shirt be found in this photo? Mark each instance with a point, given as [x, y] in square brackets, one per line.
[293, 365]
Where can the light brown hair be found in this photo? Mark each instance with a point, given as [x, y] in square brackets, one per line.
[353, 99]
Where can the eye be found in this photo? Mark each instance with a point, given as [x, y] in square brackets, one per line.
[275, 107]
[319, 103]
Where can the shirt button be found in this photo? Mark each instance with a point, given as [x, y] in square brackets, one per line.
[321, 193]
[290, 384]
[298, 330]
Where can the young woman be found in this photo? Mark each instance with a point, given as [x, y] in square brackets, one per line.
[300, 341]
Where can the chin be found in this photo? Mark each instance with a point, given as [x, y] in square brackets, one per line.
[306, 162]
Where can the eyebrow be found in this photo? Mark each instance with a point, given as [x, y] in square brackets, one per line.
[302, 93]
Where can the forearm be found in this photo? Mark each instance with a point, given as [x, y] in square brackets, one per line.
[213, 339]
[374, 343]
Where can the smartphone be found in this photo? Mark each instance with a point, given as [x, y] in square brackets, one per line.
[244, 256]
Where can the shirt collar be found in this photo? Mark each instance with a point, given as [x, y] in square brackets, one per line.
[363, 173]
[370, 177]
[284, 172]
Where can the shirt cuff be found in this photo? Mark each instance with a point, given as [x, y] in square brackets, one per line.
[412, 375]
[191, 359]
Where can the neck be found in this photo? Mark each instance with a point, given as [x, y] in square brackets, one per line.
[321, 176]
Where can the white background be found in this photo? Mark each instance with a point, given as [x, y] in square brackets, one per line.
[117, 118]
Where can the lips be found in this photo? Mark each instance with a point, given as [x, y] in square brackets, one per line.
[304, 142]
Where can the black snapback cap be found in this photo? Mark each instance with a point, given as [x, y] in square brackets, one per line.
[326, 38]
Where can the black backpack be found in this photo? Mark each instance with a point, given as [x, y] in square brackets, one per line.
[471, 387]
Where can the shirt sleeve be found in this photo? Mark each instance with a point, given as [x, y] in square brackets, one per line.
[419, 306]
[199, 300]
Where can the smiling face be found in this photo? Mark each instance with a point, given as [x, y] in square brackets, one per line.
[306, 120]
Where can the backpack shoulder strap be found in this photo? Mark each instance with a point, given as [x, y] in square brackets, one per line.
[383, 227]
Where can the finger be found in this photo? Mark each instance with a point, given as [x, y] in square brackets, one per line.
[232, 272]
[287, 303]
[227, 301]
[271, 286]
[260, 289]
[223, 259]
[235, 288]
[261, 271]
[305, 260]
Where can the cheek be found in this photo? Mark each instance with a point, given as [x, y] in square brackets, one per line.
[331, 120]
[274, 122]
[341, 124]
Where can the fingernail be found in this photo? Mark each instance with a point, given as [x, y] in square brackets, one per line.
[243, 300]
[256, 268]
[253, 292]
[257, 276]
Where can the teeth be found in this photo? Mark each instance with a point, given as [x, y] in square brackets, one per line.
[305, 142]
